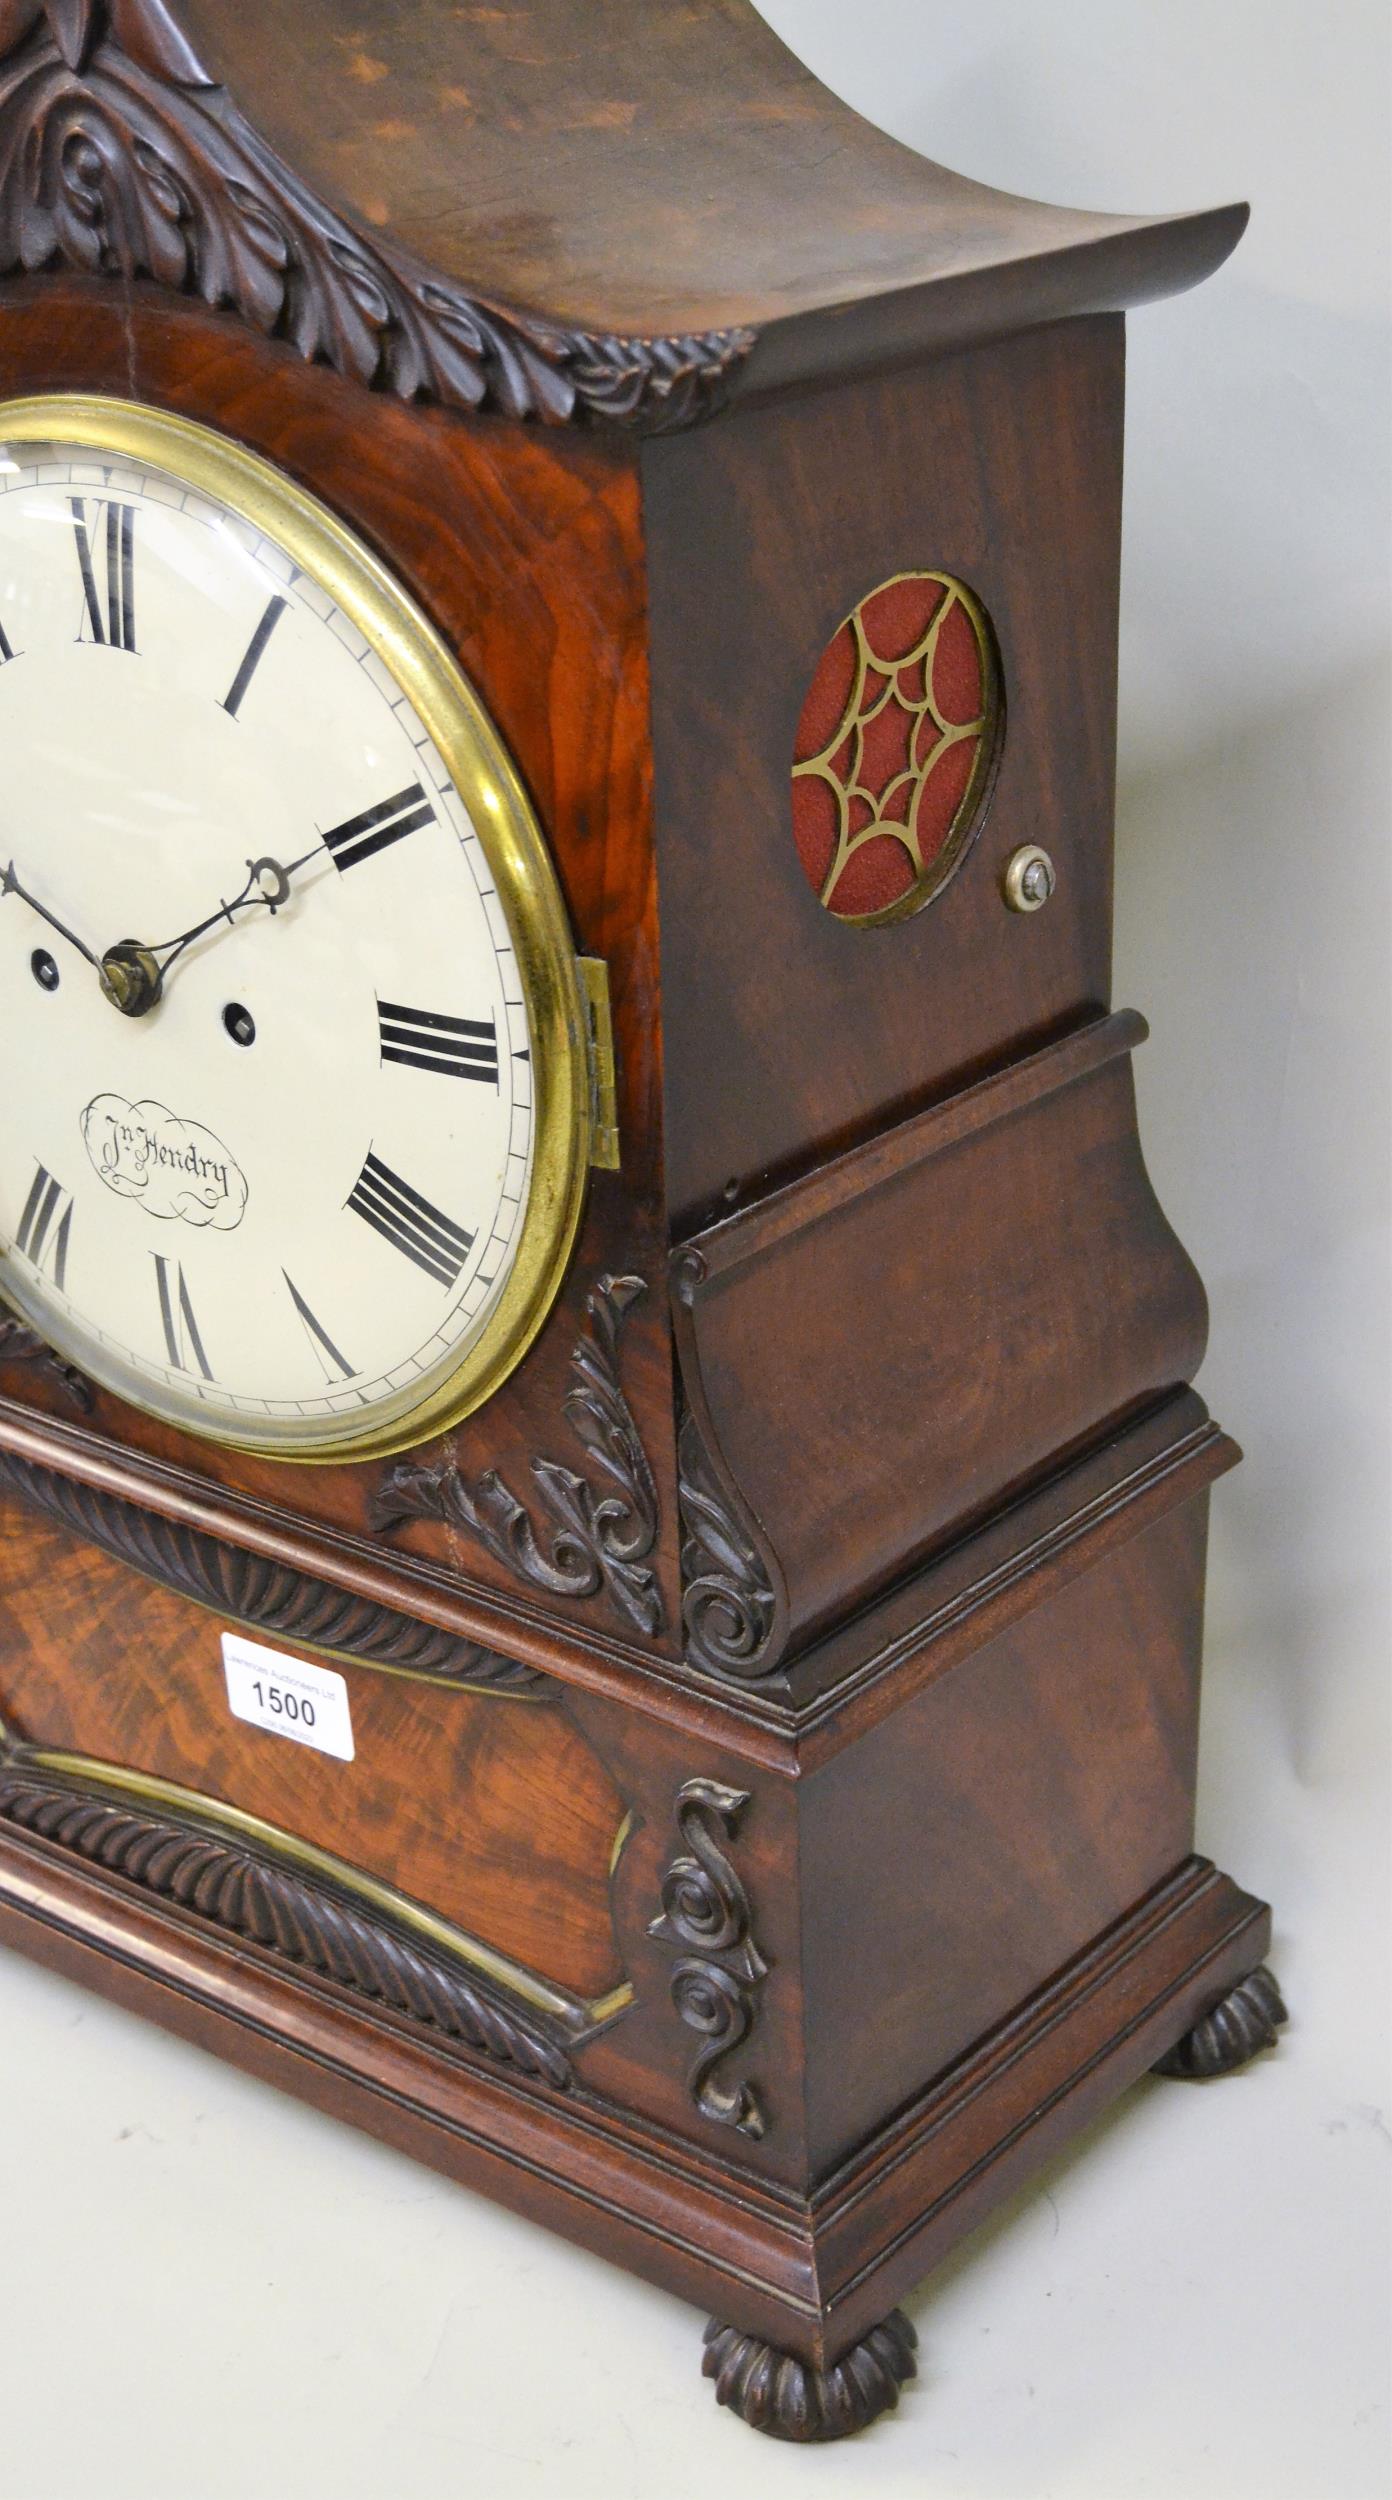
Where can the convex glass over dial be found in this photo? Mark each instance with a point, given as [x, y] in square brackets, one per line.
[295, 1107]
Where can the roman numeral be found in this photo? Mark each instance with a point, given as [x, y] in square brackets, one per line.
[409, 1222]
[45, 1227]
[319, 1338]
[378, 826]
[181, 1335]
[274, 612]
[109, 619]
[450, 1045]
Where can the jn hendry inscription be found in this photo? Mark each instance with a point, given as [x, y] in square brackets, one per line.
[178, 1171]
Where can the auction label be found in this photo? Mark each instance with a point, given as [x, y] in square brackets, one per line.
[288, 1696]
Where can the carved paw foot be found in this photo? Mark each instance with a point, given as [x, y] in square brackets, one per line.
[789, 2399]
[1236, 2029]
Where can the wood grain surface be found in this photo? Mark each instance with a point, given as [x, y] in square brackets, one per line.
[789, 1034]
[809, 2273]
[659, 165]
[493, 1812]
[1021, 1805]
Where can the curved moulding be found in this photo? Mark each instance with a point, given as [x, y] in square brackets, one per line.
[959, 1300]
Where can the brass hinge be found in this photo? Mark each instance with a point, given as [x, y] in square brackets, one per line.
[604, 1149]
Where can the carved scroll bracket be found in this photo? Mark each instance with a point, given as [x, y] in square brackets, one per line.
[120, 157]
[706, 1922]
[734, 1607]
[602, 1534]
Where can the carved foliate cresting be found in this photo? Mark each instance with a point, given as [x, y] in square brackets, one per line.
[119, 156]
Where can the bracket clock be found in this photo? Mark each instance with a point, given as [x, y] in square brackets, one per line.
[603, 1514]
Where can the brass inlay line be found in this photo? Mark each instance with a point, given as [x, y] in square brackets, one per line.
[577, 2014]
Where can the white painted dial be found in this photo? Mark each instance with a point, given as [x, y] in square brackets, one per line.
[282, 1196]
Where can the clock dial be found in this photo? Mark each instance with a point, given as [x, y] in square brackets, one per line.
[262, 888]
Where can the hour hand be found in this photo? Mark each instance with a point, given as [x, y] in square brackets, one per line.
[134, 975]
[10, 884]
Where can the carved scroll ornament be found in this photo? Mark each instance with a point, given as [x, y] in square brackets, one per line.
[733, 1614]
[121, 157]
[728, 1606]
[601, 1535]
[706, 1922]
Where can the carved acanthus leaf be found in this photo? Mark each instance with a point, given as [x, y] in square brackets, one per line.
[120, 157]
[143, 29]
[788, 2398]
[600, 1535]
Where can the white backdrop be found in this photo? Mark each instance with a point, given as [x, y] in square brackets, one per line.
[211, 2295]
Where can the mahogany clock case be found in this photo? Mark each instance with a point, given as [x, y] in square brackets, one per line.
[771, 1827]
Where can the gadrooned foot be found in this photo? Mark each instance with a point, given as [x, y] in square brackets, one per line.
[1240, 2025]
[788, 2399]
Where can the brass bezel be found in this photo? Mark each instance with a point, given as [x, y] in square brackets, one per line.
[488, 782]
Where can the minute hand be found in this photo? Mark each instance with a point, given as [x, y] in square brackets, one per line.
[267, 884]
[9, 884]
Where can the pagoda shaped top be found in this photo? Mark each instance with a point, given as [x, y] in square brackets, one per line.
[651, 165]
[655, 170]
